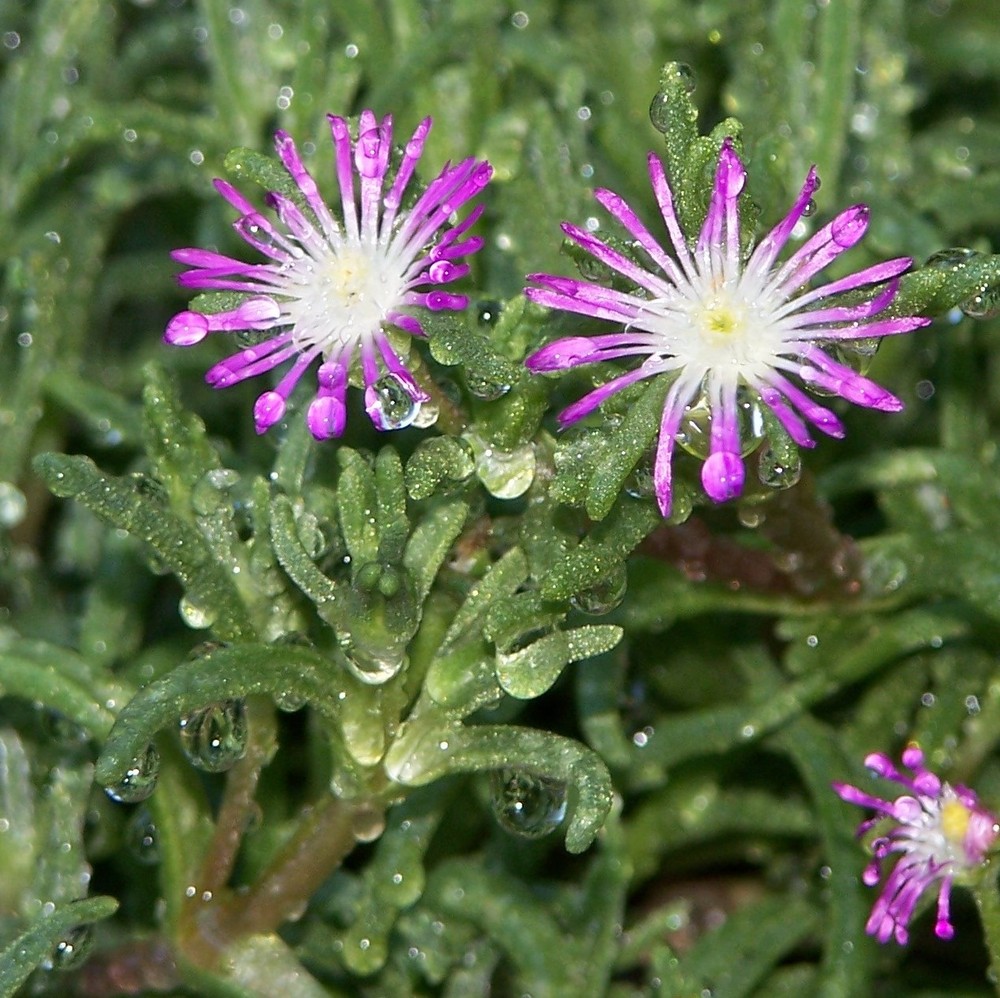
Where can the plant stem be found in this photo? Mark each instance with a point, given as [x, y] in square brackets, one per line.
[238, 797]
[324, 838]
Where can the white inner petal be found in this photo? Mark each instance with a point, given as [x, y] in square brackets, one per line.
[342, 297]
[719, 325]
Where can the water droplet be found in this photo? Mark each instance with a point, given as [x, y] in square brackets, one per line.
[779, 471]
[485, 388]
[751, 515]
[139, 780]
[984, 305]
[809, 209]
[195, 616]
[694, 433]
[527, 804]
[640, 484]
[13, 505]
[142, 839]
[367, 822]
[685, 74]
[950, 259]
[488, 312]
[214, 738]
[289, 702]
[427, 415]
[73, 948]
[604, 596]
[856, 354]
[389, 403]
[371, 668]
[209, 493]
[504, 474]
[884, 573]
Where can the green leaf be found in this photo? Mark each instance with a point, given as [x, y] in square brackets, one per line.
[603, 550]
[623, 449]
[357, 501]
[819, 755]
[530, 672]
[40, 942]
[132, 505]
[430, 542]
[300, 567]
[226, 673]
[952, 279]
[425, 750]
[57, 678]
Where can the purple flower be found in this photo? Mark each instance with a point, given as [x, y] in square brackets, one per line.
[333, 284]
[940, 833]
[718, 322]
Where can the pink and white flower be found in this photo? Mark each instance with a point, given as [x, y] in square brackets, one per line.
[717, 321]
[940, 833]
[334, 281]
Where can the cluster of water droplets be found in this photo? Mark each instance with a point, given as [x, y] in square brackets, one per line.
[985, 303]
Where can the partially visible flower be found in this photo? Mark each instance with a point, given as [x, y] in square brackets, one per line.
[717, 323]
[940, 832]
[333, 284]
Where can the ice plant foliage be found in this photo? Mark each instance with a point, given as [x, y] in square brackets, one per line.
[335, 280]
[940, 832]
[718, 322]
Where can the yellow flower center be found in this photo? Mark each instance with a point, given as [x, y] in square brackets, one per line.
[722, 318]
[955, 820]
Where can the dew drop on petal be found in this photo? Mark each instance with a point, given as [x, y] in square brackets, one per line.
[389, 403]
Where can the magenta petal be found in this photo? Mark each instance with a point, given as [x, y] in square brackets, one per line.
[326, 417]
[267, 410]
[186, 328]
[559, 355]
[722, 476]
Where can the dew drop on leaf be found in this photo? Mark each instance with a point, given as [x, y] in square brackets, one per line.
[527, 804]
[950, 259]
[984, 305]
[779, 471]
[195, 616]
[214, 738]
[139, 780]
[73, 948]
[504, 474]
[604, 595]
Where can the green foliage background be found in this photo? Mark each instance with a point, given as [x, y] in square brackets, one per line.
[768, 645]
